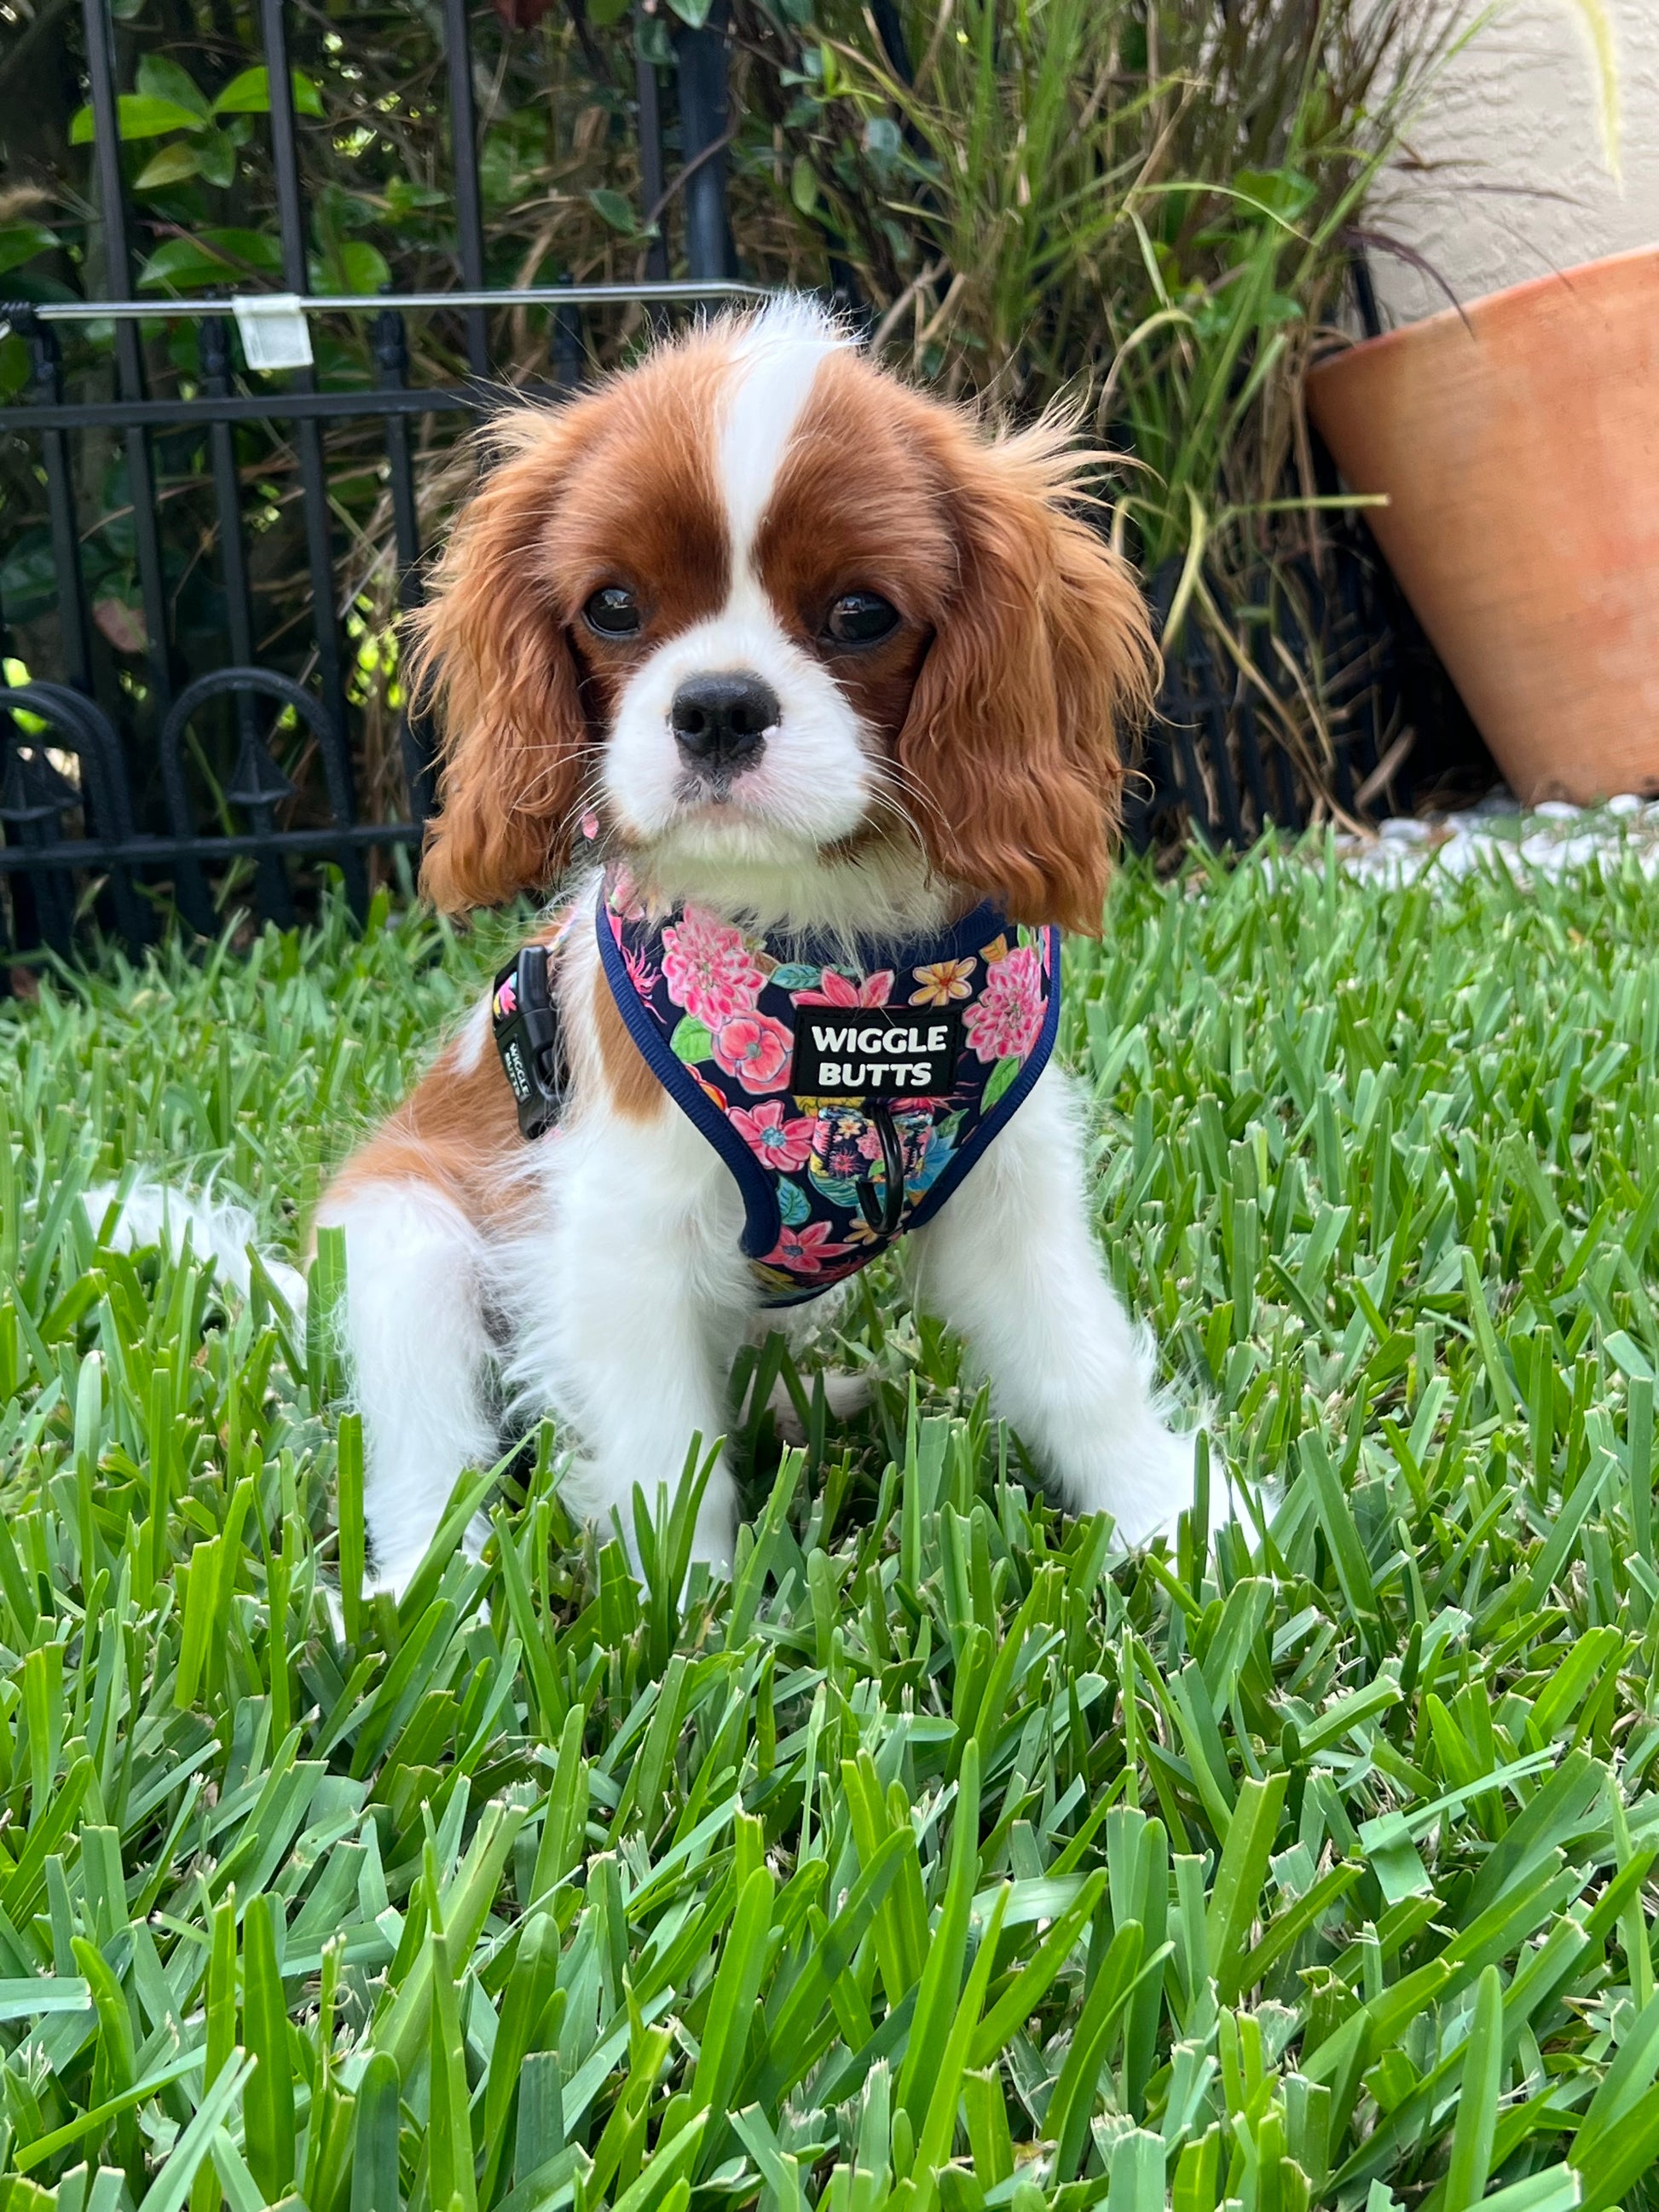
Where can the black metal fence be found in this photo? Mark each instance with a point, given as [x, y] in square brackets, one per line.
[61, 831]
[102, 785]
[115, 782]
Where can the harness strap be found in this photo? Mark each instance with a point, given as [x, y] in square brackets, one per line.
[847, 1103]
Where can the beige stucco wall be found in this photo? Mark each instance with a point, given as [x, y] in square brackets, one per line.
[1514, 182]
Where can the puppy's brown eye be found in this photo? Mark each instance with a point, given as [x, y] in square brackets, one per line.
[614, 612]
[860, 618]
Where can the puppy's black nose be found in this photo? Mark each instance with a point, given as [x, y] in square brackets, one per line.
[720, 721]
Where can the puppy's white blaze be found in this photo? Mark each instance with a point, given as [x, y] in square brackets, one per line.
[815, 782]
[774, 365]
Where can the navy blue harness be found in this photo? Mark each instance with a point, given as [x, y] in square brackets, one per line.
[848, 1102]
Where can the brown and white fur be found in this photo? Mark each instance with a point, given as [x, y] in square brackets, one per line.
[739, 484]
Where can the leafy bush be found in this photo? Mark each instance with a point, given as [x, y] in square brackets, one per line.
[938, 1859]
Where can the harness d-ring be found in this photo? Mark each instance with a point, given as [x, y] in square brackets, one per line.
[884, 1212]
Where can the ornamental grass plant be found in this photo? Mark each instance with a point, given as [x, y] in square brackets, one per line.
[944, 1858]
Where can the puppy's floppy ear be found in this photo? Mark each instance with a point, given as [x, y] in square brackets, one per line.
[491, 654]
[1043, 660]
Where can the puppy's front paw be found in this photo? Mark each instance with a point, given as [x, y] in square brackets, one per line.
[1147, 1483]
[1157, 1482]
[844, 1396]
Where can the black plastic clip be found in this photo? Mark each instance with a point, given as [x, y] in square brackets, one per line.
[527, 1038]
[883, 1210]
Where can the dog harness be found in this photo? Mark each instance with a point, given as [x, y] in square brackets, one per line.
[848, 1102]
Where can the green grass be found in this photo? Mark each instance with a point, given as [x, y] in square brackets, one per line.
[938, 1860]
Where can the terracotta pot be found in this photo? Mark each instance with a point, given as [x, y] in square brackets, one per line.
[1518, 445]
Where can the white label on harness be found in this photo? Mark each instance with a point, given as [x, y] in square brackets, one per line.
[274, 331]
[875, 1052]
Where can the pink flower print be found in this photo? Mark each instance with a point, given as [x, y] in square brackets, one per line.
[777, 1140]
[839, 991]
[710, 969]
[754, 1048]
[941, 980]
[1003, 1021]
[640, 973]
[844, 1142]
[804, 1251]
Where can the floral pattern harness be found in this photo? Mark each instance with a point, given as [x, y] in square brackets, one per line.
[716, 1012]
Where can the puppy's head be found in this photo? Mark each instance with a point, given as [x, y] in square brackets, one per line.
[760, 608]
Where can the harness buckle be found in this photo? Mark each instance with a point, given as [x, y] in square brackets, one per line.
[883, 1210]
[526, 1024]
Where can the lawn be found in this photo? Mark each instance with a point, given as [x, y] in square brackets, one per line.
[942, 1859]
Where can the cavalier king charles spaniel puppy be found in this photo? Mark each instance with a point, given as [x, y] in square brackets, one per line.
[823, 685]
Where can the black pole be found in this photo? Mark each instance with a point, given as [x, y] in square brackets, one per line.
[890, 29]
[129, 356]
[308, 435]
[567, 354]
[48, 386]
[112, 195]
[464, 155]
[215, 343]
[284, 149]
[701, 58]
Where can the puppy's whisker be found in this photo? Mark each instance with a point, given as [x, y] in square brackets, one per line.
[899, 793]
[572, 822]
[543, 783]
[890, 811]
